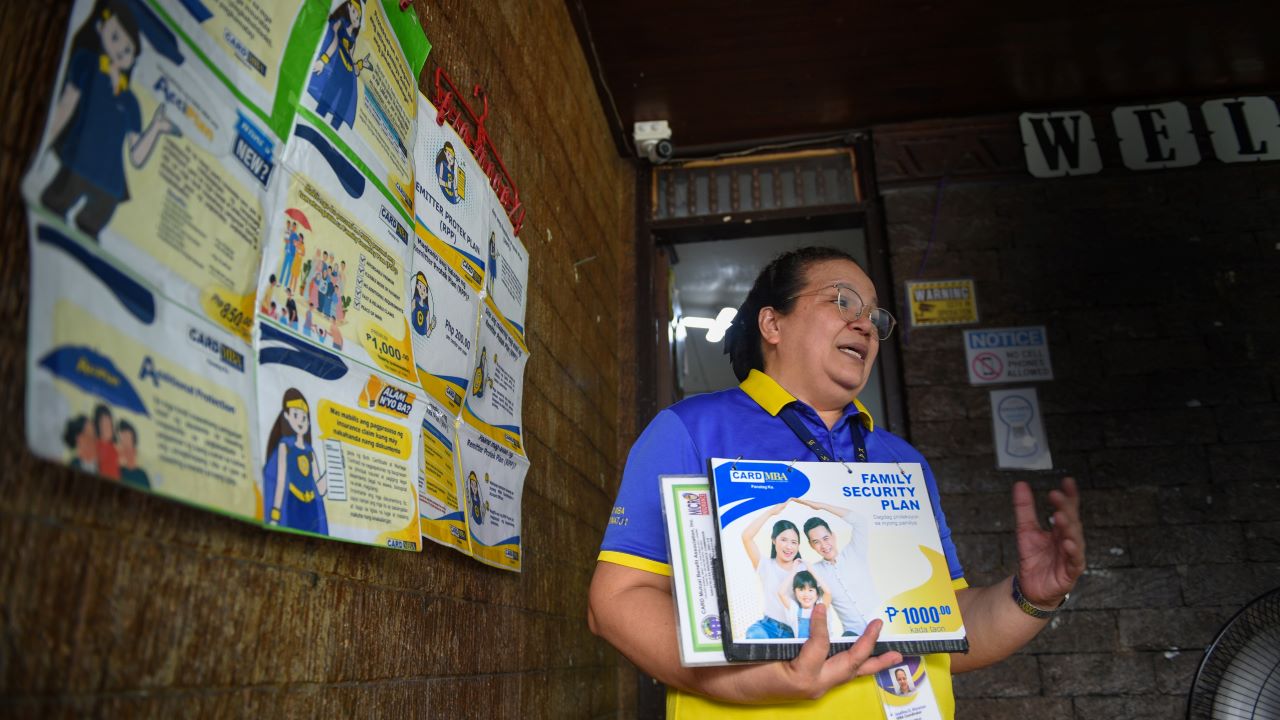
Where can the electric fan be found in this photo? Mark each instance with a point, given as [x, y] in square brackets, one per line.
[1239, 677]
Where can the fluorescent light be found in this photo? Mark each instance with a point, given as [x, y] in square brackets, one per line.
[715, 327]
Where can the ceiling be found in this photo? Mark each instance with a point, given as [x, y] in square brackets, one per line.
[730, 74]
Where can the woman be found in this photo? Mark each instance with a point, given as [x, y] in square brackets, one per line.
[333, 82]
[292, 485]
[803, 346]
[776, 574]
[96, 115]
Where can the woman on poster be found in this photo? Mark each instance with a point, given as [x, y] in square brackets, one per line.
[97, 114]
[333, 83]
[775, 575]
[803, 346]
[292, 485]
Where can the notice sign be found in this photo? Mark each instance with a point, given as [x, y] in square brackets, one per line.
[934, 303]
[1005, 355]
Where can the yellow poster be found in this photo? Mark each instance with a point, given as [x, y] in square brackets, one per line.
[441, 499]
[443, 307]
[247, 40]
[492, 479]
[130, 387]
[934, 303]
[333, 270]
[340, 447]
[362, 94]
[451, 196]
[495, 394]
[149, 156]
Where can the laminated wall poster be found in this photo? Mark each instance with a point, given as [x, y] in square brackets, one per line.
[131, 386]
[362, 92]
[334, 264]
[261, 194]
[886, 559]
[261, 49]
[493, 482]
[442, 496]
[147, 155]
[451, 195]
[340, 445]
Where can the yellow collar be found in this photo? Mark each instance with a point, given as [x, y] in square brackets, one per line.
[772, 397]
[104, 64]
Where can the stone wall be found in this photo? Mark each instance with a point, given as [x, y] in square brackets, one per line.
[114, 603]
[1159, 291]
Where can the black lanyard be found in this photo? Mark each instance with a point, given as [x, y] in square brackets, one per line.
[792, 419]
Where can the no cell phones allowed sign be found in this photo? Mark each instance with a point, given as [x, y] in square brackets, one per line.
[1007, 355]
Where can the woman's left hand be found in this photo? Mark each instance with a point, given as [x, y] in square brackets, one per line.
[1049, 561]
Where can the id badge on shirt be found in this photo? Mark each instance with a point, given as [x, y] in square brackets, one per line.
[905, 691]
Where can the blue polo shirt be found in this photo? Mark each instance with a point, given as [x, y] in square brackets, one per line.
[743, 422]
[92, 145]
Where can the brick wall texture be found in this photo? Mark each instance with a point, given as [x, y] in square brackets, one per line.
[113, 603]
[1159, 291]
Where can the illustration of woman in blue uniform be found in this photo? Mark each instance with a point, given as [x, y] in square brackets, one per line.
[96, 115]
[447, 173]
[333, 82]
[293, 488]
[473, 498]
[421, 318]
[477, 380]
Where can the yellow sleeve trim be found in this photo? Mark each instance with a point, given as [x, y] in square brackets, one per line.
[959, 584]
[634, 561]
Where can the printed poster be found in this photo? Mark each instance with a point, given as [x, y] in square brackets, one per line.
[442, 495]
[333, 269]
[258, 47]
[361, 94]
[691, 545]
[340, 445]
[443, 308]
[129, 386]
[492, 476]
[451, 195]
[506, 272]
[1018, 430]
[148, 156]
[937, 303]
[860, 537]
[495, 398]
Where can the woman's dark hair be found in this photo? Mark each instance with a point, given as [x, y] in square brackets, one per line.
[281, 427]
[778, 528]
[782, 278]
[804, 579]
[342, 13]
[71, 431]
[100, 412]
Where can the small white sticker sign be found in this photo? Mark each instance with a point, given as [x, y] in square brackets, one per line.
[1019, 432]
[1006, 355]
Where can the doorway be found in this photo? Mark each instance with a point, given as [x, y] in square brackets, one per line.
[709, 279]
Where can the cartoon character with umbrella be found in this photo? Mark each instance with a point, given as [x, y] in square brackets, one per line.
[92, 442]
[294, 247]
[97, 113]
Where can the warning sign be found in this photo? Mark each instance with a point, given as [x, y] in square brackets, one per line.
[934, 303]
[1007, 355]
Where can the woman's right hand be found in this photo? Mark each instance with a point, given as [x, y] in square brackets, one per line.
[811, 674]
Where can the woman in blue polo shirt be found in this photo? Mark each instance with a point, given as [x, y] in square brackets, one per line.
[803, 346]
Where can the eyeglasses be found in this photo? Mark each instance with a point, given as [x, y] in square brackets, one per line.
[853, 309]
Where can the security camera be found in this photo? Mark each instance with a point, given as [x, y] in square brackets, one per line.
[653, 141]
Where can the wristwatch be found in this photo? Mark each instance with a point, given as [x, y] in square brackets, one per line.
[1031, 609]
